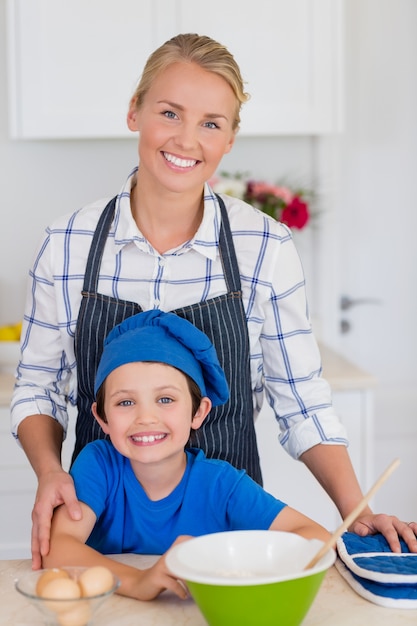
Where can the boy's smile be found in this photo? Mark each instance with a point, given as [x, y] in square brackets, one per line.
[148, 439]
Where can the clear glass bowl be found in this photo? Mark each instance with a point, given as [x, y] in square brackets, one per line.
[70, 612]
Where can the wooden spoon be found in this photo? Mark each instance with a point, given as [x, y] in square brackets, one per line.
[330, 543]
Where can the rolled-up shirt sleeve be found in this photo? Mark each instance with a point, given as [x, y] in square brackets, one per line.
[44, 373]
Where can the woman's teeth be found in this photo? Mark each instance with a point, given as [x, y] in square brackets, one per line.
[179, 162]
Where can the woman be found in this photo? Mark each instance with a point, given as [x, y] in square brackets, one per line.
[166, 241]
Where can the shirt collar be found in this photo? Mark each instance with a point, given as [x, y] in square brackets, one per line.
[206, 240]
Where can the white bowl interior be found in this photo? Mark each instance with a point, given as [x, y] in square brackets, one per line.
[246, 557]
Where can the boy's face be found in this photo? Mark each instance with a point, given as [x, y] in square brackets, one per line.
[148, 407]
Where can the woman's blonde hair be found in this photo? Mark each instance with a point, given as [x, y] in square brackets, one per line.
[192, 48]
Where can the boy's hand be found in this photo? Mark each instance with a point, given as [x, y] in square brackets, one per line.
[158, 578]
[54, 489]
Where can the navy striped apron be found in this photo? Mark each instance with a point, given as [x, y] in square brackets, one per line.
[228, 432]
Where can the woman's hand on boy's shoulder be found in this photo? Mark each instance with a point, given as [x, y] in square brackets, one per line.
[54, 488]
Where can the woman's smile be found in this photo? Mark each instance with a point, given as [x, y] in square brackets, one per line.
[178, 162]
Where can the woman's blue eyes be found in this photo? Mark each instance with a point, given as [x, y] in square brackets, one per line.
[165, 400]
[172, 116]
[211, 125]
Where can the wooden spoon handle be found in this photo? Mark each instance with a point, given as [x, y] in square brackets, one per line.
[331, 542]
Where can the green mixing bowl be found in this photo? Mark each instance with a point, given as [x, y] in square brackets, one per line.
[250, 577]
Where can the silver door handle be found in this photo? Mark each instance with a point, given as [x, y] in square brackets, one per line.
[347, 303]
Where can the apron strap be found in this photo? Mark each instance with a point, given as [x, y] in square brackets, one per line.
[92, 270]
[227, 252]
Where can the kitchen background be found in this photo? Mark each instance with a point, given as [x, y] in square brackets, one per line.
[360, 155]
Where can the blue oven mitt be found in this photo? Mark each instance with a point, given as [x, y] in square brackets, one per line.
[376, 573]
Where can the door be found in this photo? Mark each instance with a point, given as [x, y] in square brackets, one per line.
[375, 226]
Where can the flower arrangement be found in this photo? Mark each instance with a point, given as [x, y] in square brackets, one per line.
[279, 201]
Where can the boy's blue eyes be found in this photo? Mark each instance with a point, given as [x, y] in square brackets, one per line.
[126, 403]
[164, 400]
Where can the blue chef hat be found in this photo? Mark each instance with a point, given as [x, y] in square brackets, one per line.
[165, 338]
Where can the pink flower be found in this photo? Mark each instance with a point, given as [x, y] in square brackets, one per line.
[282, 192]
[259, 190]
[296, 214]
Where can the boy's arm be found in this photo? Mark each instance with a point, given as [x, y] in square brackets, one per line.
[290, 520]
[68, 547]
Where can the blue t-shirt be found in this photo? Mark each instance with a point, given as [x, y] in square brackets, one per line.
[212, 497]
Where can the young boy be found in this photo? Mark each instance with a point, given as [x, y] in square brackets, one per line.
[158, 377]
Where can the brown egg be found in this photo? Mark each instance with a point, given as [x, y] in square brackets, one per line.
[58, 590]
[61, 589]
[47, 576]
[95, 581]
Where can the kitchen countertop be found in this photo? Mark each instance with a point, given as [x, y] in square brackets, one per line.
[338, 371]
[342, 374]
[336, 603]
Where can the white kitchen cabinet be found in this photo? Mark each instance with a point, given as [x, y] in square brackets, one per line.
[290, 55]
[73, 65]
[290, 480]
